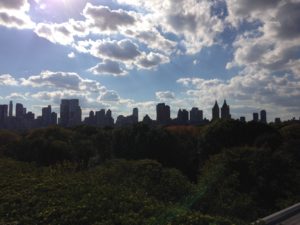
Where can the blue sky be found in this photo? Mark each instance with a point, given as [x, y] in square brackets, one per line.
[121, 54]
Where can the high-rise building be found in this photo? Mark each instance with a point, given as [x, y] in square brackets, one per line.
[19, 110]
[196, 116]
[53, 118]
[255, 117]
[135, 115]
[100, 118]
[216, 111]
[3, 113]
[70, 112]
[29, 116]
[109, 119]
[263, 116]
[225, 111]
[182, 116]
[10, 109]
[163, 113]
[46, 116]
[243, 119]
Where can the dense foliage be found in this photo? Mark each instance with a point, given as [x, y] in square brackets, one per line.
[226, 172]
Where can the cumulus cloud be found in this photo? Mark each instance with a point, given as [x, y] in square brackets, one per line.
[108, 67]
[165, 95]
[71, 55]
[13, 4]
[191, 20]
[62, 80]
[7, 80]
[102, 18]
[16, 96]
[13, 14]
[62, 33]
[118, 50]
[273, 45]
[152, 60]
[109, 96]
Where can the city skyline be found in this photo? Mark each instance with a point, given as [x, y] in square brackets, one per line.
[125, 54]
[70, 115]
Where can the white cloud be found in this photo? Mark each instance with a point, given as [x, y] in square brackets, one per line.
[118, 50]
[101, 18]
[63, 81]
[152, 60]
[109, 96]
[191, 20]
[14, 5]
[108, 67]
[62, 33]
[165, 95]
[14, 14]
[7, 80]
[71, 55]
[16, 96]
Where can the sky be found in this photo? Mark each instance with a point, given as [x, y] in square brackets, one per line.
[121, 54]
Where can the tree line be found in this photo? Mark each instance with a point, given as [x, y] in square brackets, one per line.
[227, 171]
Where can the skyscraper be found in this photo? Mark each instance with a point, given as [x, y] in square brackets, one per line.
[53, 118]
[263, 116]
[135, 115]
[70, 112]
[46, 116]
[196, 116]
[225, 111]
[163, 113]
[109, 119]
[19, 110]
[255, 117]
[10, 109]
[216, 111]
[182, 116]
[3, 113]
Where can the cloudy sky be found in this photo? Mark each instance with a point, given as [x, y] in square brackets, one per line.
[121, 54]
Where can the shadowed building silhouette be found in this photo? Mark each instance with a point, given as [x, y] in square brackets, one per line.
[255, 117]
[216, 111]
[225, 111]
[11, 109]
[263, 116]
[196, 116]
[70, 112]
[163, 114]
[3, 114]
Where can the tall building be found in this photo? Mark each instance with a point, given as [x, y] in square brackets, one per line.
[163, 113]
[3, 113]
[216, 111]
[196, 116]
[46, 116]
[135, 115]
[53, 118]
[10, 109]
[255, 117]
[243, 119]
[183, 116]
[29, 116]
[70, 112]
[263, 116]
[19, 110]
[100, 118]
[225, 111]
[109, 119]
